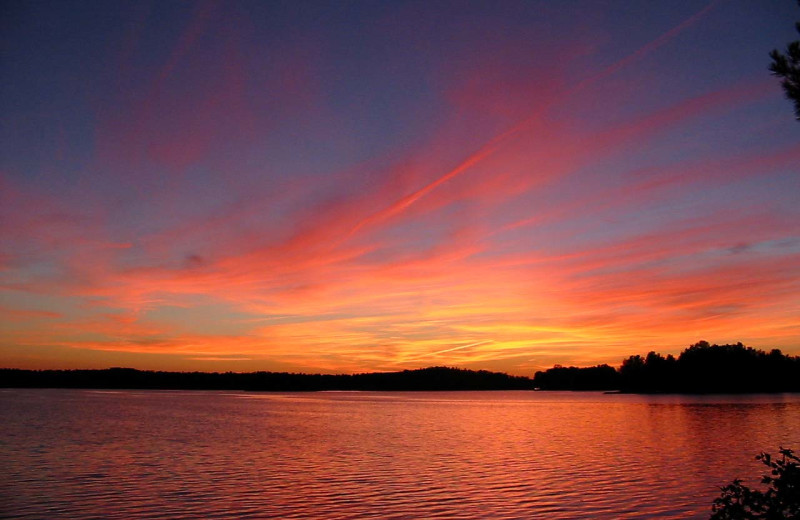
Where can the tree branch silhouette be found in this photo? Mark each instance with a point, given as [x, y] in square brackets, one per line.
[787, 67]
[781, 499]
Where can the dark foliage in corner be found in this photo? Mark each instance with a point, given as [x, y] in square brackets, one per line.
[780, 501]
[787, 67]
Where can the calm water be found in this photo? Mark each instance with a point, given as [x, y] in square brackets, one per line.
[133, 454]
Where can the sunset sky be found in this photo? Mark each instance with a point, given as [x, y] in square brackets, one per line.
[357, 186]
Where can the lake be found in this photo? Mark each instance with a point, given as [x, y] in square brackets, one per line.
[347, 455]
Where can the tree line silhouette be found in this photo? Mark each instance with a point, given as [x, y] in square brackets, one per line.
[701, 368]
[432, 378]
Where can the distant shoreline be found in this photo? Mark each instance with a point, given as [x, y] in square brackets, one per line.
[425, 379]
[700, 369]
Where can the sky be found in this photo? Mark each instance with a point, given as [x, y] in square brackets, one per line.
[354, 186]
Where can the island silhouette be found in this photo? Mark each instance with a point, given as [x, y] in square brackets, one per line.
[701, 368]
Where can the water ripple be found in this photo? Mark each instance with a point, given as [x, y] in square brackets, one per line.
[186, 455]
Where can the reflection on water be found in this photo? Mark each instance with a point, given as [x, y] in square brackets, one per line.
[91, 454]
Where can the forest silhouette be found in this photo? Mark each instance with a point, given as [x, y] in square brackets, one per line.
[701, 368]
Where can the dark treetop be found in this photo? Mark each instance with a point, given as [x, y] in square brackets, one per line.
[787, 67]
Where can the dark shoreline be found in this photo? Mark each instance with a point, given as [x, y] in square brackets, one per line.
[425, 379]
[699, 370]
[407, 381]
